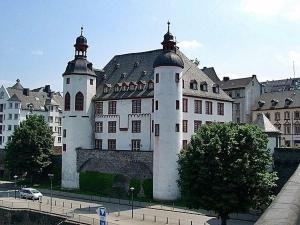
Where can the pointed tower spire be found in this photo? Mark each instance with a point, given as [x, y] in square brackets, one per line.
[81, 45]
[168, 42]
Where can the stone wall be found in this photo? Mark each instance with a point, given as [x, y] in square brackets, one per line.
[134, 164]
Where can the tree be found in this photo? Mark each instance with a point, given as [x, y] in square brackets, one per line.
[225, 169]
[30, 147]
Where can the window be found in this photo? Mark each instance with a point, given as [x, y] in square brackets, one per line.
[184, 144]
[91, 81]
[79, 99]
[286, 115]
[64, 147]
[16, 105]
[59, 131]
[278, 126]
[237, 93]
[277, 116]
[105, 90]
[220, 108]
[177, 78]
[203, 86]
[287, 128]
[197, 124]
[177, 104]
[131, 86]
[297, 128]
[185, 126]
[98, 144]
[136, 106]
[10, 105]
[50, 119]
[67, 101]
[157, 78]
[182, 83]
[136, 145]
[208, 107]
[177, 127]
[152, 105]
[50, 108]
[68, 80]
[116, 88]
[185, 105]
[99, 127]
[112, 126]
[10, 116]
[99, 108]
[111, 144]
[136, 126]
[216, 89]
[152, 126]
[16, 116]
[64, 133]
[58, 139]
[156, 133]
[297, 115]
[268, 115]
[194, 85]
[150, 85]
[198, 106]
[208, 122]
[156, 105]
[1, 118]
[112, 105]
[9, 138]
[1, 107]
[140, 86]
[8, 127]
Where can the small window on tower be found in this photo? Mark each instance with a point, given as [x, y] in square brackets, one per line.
[156, 130]
[91, 81]
[157, 78]
[64, 147]
[177, 104]
[177, 77]
[156, 105]
[68, 81]
[177, 127]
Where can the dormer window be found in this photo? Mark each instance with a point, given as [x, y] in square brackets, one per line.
[274, 102]
[150, 85]
[203, 86]
[194, 85]
[105, 90]
[261, 103]
[124, 87]
[216, 88]
[131, 86]
[117, 88]
[288, 102]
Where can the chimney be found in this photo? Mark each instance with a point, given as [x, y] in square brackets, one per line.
[226, 79]
[253, 76]
[47, 89]
[26, 91]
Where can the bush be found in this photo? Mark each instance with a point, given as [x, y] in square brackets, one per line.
[137, 186]
[148, 188]
[96, 182]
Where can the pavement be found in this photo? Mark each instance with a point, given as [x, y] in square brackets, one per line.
[118, 214]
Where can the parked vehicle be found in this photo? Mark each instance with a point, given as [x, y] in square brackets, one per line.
[30, 193]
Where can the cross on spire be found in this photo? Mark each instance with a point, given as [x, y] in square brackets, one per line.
[81, 30]
[168, 26]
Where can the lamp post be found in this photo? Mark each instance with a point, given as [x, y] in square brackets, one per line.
[15, 177]
[132, 189]
[50, 175]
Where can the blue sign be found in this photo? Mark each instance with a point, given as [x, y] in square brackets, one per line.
[101, 211]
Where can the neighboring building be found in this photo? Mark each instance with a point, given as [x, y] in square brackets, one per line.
[17, 103]
[281, 85]
[211, 73]
[283, 110]
[244, 92]
[146, 101]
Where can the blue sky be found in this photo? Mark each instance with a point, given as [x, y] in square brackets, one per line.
[238, 37]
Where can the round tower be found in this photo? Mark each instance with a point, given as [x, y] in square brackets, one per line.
[79, 88]
[168, 68]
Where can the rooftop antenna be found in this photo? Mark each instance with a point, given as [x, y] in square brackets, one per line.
[294, 68]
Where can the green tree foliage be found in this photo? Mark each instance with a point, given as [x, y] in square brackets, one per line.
[225, 169]
[30, 147]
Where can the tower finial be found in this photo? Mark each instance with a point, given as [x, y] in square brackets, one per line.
[168, 26]
[81, 30]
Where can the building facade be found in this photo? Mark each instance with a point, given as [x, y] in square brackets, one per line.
[283, 110]
[146, 101]
[17, 103]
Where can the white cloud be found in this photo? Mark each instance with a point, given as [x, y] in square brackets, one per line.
[285, 9]
[189, 44]
[37, 52]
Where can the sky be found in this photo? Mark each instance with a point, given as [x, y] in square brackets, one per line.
[237, 37]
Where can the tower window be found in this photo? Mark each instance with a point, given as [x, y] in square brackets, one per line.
[67, 101]
[185, 105]
[157, 78]
[177, 127]
[64, 147]
[156, 105]
[79, 99]
[68, 81]
[112, 145]
[156, 130]
[91, 81]
[64, 133]
[185, 126]
[136, 106]
[177, 77]
[177, 105]
[152, 105]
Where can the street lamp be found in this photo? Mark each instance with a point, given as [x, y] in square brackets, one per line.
[15, 176]
[50, 175]
[132, 189]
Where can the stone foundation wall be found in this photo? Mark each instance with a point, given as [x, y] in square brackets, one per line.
[134, 164]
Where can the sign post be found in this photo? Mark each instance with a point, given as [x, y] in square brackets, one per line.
[101, 211]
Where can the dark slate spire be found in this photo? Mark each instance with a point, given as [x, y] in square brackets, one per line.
[17, 85]
[169, 43]
[81, 46]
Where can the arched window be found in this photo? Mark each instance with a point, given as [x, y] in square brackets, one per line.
[79, 101]
[67, 101]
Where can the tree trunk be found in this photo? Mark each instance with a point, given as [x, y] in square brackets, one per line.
[224, 219]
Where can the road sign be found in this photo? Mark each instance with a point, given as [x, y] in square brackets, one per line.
[101, 211]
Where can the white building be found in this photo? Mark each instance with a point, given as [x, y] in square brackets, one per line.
[146, 101]
[17, 103]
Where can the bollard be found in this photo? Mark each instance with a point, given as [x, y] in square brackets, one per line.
[55, 202]
[71, 205]
[179, 222]
[93, 221]
[155, 219]
[63, 204]
[143, 216]
[80, 206]
[167, 220]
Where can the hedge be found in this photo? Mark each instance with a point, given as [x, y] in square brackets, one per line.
[148, 188]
